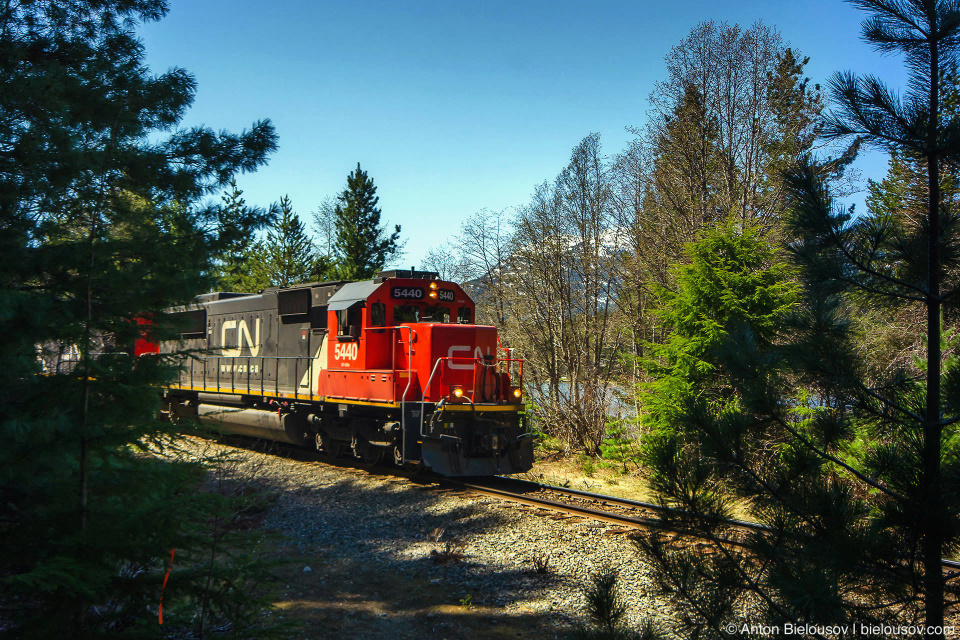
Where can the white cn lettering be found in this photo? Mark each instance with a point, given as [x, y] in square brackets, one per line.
[244, 336]
[459, 363]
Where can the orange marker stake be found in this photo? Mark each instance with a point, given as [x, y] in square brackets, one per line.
[165, 577]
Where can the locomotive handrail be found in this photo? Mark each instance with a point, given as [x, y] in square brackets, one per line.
[472, 399]
[426, 387]
[245, 384]
[403, 398]
[74, 358]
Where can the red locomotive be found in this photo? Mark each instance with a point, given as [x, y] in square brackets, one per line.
[390, 367]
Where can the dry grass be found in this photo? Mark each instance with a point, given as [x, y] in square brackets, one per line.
[569, 472]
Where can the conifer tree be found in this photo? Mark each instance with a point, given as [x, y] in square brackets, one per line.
[927, 34]
[734, 277]
[240, 223]
[101, 228]
[362, 246]
[852, 471]
[287, 256]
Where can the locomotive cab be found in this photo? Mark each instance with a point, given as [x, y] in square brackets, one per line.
[410, 340]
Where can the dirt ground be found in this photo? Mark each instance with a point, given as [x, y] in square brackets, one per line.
[591, 475]
[396, 607]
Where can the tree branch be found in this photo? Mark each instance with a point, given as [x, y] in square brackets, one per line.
[823, 454]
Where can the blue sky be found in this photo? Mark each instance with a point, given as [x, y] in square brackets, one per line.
[453, 107]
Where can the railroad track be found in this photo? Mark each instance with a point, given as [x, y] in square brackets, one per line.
[629, 515]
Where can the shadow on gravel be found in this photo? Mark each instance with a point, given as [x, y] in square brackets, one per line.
[375, 557]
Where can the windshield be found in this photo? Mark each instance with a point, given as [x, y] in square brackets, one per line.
[406, 313]
[436, 314]
[414, 313]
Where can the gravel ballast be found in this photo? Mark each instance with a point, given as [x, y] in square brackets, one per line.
[381, 555]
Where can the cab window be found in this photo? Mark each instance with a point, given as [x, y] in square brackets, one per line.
[348, 322]
[436, 314]
[464, 316]
[378, 314]
[406, 313]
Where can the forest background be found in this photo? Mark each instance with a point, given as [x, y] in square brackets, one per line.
[696, 302]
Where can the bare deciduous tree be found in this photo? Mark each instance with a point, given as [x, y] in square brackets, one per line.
[562, 276]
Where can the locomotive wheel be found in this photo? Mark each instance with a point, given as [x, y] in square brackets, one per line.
[368, 453]
[410, 465]
[329, 445]
[374, 455]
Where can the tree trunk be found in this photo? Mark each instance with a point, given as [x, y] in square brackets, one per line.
[933, 503]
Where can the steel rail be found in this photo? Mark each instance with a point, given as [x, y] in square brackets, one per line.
[574, 510]
[613, 518]
[426, 477]
[623, 502]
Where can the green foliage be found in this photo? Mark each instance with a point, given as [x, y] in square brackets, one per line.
[240, 223]
[605, 606]
[287, 256]
[735, 281]
[606, 610]
[545, 444]
[706, 156]
[362, 247]
[619, 446]
[588, 465]
[852, 467]
[225, 582]
[100, 228]
[796, 108]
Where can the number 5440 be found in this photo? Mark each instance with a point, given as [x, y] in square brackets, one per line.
[347, 351]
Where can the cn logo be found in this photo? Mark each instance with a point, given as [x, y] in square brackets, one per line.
[243, 336]
[462, 361]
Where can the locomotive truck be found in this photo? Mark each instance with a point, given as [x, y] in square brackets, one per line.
[388, 368]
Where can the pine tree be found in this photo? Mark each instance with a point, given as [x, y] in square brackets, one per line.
[287, 256]
[101, 227]
[362, 247]
[927, 33]
[899, 201]
[240, 223]
[853, 471]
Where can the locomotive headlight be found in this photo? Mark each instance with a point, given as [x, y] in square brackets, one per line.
[433, 295]
[433, 286]
[457, 392]
[517, 393]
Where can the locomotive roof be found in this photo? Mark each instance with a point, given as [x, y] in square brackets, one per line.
[221, 295]
[350, 294]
